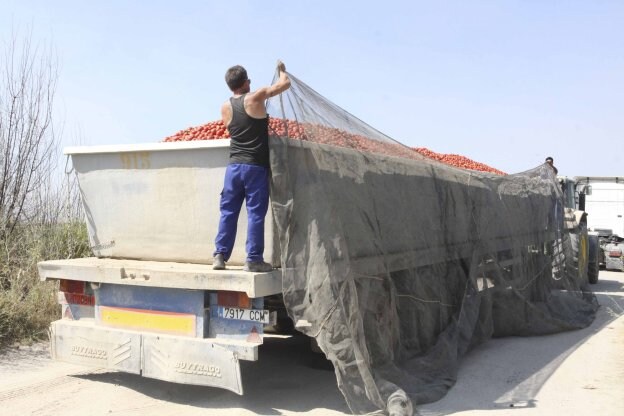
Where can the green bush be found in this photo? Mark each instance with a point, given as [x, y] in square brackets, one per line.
[27, 305]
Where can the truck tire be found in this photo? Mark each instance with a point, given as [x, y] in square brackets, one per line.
[592, 273]
[580, 251]
[593, 268]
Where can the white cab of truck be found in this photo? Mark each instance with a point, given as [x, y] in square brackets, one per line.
[605, 203]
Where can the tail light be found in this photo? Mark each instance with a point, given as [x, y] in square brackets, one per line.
[72, 286]
[233, 299]
[75, 292]
[615, 253]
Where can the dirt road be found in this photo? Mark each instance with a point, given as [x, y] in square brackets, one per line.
[574, 373]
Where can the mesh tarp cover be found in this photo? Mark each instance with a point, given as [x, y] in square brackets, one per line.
[398, 265]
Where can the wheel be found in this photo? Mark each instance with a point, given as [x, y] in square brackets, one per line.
[283, 324]
[592, 273]
[593, 267]
[580, 250]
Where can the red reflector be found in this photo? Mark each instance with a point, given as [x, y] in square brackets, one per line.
[75, 299]
[615, 254]
[72, 286]
[233, 299]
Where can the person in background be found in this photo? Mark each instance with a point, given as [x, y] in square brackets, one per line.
[549, 162]
[247, 174]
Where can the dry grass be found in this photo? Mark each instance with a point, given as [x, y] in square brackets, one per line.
[27, 305]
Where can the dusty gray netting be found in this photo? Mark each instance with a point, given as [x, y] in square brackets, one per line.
[398, 265]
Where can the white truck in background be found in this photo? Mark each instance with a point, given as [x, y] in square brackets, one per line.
[604, 204]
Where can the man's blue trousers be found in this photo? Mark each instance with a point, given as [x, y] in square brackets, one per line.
[249, 183]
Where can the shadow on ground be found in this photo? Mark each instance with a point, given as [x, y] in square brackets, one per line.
[287, 376]
[509, 372]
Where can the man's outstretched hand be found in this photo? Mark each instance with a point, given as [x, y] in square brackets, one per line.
[280, 66]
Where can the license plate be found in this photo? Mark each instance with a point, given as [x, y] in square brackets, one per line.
[254, 315]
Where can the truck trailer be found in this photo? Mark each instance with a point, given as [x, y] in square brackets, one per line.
[149, 303]
[395, 264]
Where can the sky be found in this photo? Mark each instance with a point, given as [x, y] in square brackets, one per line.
[505, 83]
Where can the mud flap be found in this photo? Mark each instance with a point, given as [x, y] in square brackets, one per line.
[172, 358]
[191, 361]
[79, 342]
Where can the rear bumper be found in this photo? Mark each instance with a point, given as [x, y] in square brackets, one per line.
[614, 263]
[204, 362]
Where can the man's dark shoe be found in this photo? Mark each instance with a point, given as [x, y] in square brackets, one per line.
[218, 262]
[257, 267]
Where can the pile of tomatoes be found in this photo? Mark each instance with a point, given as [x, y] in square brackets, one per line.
[332, 136]
[208, 131]
[458, 161]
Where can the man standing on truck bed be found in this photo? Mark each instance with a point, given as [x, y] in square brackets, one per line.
[550, 162]
[247, 174]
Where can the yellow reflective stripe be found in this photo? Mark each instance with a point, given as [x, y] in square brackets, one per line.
[168, 322]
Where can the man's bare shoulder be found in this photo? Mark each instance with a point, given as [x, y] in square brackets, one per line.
[226, 107]
[258, 95]
[226, 112]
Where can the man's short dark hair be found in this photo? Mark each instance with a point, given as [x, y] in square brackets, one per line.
[235, 77]
[549, 159]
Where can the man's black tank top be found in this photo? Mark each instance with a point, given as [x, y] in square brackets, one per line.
[249, 136]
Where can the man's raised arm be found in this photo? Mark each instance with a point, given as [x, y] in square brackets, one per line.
[282, 84]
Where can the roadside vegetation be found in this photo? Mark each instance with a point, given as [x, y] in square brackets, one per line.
[39, 206]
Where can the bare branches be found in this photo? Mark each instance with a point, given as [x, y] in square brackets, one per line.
[39, 207]
[28, 144]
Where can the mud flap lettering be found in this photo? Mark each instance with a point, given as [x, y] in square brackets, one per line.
[191, 361]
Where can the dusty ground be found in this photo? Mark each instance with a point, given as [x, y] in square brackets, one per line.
[575, 373]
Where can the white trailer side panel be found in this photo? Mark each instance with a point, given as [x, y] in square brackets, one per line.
[158, 201]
